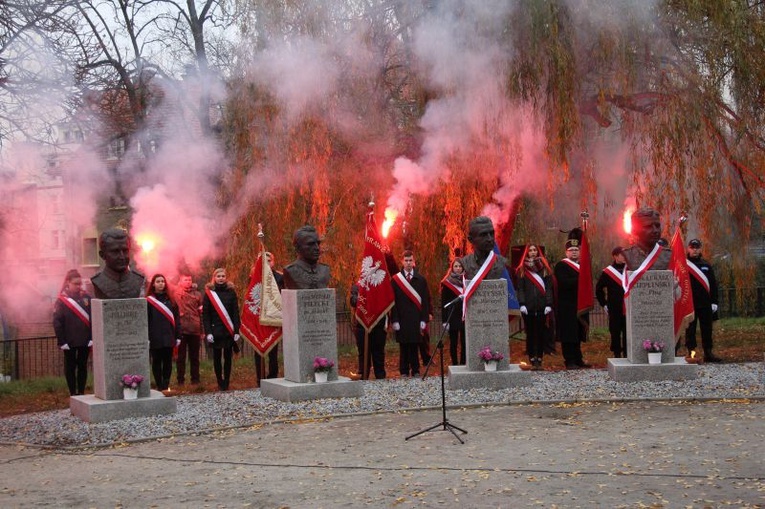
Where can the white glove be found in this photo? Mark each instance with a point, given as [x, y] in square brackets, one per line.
[236, 337]
[605, 308]
[524, 310]
[90, 343]
[446, 326]
[548, 310]
[423, 325]
[714, 308]
[210, 338]
[177, 342]
[396, 326]
[64, 347]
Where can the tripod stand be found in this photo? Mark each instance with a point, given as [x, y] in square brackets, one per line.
[447, 426]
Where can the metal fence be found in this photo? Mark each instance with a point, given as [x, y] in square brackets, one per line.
[25, 359]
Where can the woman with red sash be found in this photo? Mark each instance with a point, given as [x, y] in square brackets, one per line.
[451, 288]
[535, 296]
[71, 321]
[220, 317]
[164, 330]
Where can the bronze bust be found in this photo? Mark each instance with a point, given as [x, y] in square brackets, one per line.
[117, 280]
[646, 227]
[481, 236]
[306, 272]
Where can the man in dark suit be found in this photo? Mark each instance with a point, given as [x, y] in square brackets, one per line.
[409, 316]
[704, 288]
[610, 295]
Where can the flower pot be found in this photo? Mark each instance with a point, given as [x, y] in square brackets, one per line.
[128, 393]
[654, 357]
[490, 366]
[320, 377]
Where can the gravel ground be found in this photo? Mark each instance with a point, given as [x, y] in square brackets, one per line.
[207, 412]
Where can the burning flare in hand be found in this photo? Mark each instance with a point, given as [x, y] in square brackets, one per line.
[390, 219]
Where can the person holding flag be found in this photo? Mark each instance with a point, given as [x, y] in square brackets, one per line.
[220, 316]
[571, 319]
[705, 303]
[371, 299]
[261, 327]
[610, 296]
[164, 323]
[71, 322]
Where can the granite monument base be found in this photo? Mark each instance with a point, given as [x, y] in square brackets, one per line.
[290, 392]
[461, 378]
[622, 370]
[91, 409]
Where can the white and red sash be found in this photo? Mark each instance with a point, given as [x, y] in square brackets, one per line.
[572, 264]
[221, 310]
[614, 274]
[162, 308]
[451, 286]
[75, 308]
[472, 286]
[630, 280]
[408, 289]
[536, 279]
[697, 273]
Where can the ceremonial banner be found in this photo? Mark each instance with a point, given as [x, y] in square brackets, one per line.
[375, 290]
[585, 297]
[262, 337]
[270, 296]
[678, 264]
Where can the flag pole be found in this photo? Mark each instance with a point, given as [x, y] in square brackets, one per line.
[365, 374]
[261, 360]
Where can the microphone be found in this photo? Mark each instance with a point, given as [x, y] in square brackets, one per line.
[459, 298]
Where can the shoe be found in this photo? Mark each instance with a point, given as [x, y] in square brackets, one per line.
[712, 358]
[584, 365]
[572, 366]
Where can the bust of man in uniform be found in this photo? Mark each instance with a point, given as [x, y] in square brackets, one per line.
[481, 236]
[306, 272]
[117, 280]
[646, 228]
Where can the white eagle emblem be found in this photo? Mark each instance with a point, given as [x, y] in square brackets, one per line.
[253, 303]
[371, 273]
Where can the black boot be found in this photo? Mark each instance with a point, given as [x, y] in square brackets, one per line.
[710, 357]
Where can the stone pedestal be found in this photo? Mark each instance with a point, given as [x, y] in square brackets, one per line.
[650, 315]
[486, 324]
[309, 330]
[622, 370]
[91, 409]
[120, 347]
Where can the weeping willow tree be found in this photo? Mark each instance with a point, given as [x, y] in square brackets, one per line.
[678, 84]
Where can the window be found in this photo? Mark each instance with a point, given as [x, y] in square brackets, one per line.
[90, 251]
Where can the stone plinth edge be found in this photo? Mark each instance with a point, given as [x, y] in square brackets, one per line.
[285, 390]
[92, 409]
[622, 370]
[460, 378]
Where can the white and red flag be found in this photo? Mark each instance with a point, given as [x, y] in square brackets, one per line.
[262, 337]
[678, 264]
[375, 290]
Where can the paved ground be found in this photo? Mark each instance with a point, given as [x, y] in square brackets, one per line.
[641, 454]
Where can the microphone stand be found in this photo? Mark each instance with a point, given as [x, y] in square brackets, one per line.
[447, 426]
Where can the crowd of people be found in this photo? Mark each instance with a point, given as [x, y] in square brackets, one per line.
[181, 320]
